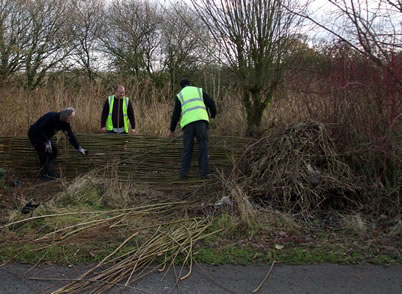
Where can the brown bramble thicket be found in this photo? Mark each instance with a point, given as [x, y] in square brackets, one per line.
[360, 101]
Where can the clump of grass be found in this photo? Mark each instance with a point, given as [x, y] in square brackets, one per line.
[355, 224]
[98, 190]
[282, 221]
[396, 230]
[245, 209]
[83, 191]
[223, 222]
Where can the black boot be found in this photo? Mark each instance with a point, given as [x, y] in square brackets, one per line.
[49, 171]
[43, 173]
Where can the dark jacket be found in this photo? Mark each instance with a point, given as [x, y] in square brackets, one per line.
[209, 103]
[117, 116]
[47, 126]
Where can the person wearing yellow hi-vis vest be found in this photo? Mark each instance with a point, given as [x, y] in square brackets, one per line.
[118, 113]
[191, 108]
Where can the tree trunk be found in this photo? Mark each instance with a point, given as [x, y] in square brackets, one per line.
[255, 109]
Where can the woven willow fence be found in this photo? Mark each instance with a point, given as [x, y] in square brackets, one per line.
[145, 159]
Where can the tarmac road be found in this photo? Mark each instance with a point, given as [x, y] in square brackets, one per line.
[327, 278]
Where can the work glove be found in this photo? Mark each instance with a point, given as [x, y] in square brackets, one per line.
[82, 151]
[48, 147]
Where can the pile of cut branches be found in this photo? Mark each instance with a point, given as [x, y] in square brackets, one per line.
[158, 253]
[297, 169]
[158, 246]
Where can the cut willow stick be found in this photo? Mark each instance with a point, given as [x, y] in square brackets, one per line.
[170, 243]
[189, 256]
[90, 223]
[100, 263]
[136, 264]
[144, 207]
[45, 216]
[265, 278]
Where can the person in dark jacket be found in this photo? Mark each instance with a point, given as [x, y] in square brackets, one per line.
[117, 113]
[191, 109]
[40, 134]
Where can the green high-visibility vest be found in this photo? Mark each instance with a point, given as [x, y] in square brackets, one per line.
[109, 122]
[192, 105]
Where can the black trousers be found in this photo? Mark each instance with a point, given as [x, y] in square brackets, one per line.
[46, 159]
[199, 130]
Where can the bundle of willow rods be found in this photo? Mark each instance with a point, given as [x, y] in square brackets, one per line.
[145, 159]
[170, 239]
[168, 242]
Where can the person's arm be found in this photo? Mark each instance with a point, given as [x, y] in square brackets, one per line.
[175, 116]
[73, 140]
[105, 113]
[210, 104]
[130, 114]
[43, 126]
[71, 137]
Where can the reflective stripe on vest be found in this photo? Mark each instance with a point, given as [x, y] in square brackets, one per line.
[192, 105]
[109, 122]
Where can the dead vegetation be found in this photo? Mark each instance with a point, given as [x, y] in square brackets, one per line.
[145, 221]
[166, 244]
[297, 169]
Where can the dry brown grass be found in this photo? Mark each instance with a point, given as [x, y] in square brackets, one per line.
[153, 107]
[355, 224]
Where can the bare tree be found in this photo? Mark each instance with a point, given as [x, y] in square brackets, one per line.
[88, 26]
[253, 35]
[14, 26]
[50, 37]
[183, 33]
[372, 28]
[396, 4]
[131, 35]
[35, 36]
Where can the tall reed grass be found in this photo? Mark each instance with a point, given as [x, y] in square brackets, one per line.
[153, 107]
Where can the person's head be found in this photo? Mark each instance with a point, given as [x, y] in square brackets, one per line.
[119, 91]
[67, 114]
[184, 83]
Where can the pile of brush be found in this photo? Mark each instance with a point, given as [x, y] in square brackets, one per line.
[296, 169]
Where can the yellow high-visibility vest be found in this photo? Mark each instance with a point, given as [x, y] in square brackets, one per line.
[109, 122]
[192, 105]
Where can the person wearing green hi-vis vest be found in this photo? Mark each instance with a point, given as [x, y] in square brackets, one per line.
[118, 113]
[191, 108]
